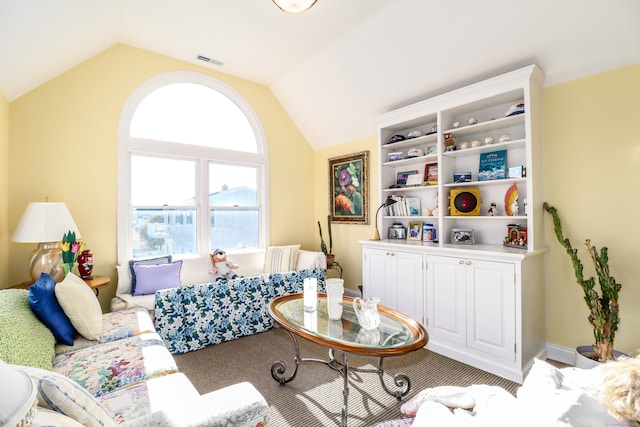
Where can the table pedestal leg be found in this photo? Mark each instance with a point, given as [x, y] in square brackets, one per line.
[401, 381]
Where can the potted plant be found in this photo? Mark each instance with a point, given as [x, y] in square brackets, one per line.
[604, 310]
[323, 246]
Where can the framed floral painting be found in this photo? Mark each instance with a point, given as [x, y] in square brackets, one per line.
[348, 188]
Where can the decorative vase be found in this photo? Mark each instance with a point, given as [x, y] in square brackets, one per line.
[85, 264]
[330, 259]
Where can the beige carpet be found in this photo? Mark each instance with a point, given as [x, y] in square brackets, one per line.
[314, 397]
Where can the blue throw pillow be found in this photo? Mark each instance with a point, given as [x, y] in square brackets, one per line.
[44, 304]
[152, 261]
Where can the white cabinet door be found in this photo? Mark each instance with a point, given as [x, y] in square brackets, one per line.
[409, 284]
[397, 279]
[491, 308]
[375, 273]
[446, 305]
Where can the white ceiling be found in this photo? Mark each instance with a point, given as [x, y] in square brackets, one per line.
[336, 67]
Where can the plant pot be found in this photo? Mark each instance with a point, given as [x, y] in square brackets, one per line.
[585, 357]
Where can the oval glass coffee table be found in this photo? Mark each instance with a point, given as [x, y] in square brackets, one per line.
[397, 334]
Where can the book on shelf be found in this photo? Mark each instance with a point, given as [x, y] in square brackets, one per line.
[413, 206]
[493, 165]
[399, 208]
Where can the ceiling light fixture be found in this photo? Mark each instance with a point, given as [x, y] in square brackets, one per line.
[294, 6]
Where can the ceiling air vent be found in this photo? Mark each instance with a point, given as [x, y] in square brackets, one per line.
[210, 60]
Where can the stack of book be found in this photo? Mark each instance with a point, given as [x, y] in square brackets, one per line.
[405, 206]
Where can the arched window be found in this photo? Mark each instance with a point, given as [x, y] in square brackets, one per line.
[192, 170]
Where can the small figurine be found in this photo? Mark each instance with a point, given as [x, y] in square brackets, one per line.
[449, 143]
[493, 209]
[505, 137]
[464, 145]
[220, 267]
[475, 143]
[456, 125]
[473, 121]
[488, 140]
[436, 209]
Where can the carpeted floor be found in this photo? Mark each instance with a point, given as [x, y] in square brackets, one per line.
[314, 397]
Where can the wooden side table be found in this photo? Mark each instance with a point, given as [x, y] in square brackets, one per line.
[96, 283]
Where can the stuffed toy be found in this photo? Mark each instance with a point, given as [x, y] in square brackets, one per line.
[221, 268]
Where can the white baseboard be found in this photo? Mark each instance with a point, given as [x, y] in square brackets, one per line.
[561, 354]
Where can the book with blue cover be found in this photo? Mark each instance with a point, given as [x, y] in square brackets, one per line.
[493, 165]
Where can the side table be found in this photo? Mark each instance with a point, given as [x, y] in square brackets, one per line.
[97, 282]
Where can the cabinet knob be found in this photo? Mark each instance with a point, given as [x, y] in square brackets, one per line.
[468, 262]
[391, 253]
[461, 262]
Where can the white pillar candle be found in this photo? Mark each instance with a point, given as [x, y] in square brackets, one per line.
[310, 291]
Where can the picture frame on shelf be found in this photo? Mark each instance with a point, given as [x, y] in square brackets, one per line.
[414, 180]
[462, 236]
[401, 177]
[431, 148]
[516, 172]
[415, 231]
[395, 156]
[349, 188]
[431, 174]
[461, 177]
[413, 206]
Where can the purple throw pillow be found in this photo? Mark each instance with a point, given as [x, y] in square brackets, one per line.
[159, 260]
[152, 278]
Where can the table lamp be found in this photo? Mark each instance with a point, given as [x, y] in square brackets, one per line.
[45, 223]
[388, 202]
[17, 396]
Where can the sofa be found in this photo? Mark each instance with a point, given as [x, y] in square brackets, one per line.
[606, 395]
[116, 370]
[196, 270]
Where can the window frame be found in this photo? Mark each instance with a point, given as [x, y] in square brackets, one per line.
[128, 146]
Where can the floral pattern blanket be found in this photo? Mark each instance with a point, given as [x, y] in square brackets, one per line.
[192, 317]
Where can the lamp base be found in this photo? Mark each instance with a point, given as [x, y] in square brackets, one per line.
[376, 235]
[46, 258]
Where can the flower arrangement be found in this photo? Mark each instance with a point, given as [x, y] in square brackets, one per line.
[70, 250]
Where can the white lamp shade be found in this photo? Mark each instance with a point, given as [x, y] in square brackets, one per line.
[16, 394]
[45, 222]
[294, 6]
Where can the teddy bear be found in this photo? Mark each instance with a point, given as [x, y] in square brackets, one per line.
[221, 268]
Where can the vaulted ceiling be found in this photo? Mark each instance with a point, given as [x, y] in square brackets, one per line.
[336, 67]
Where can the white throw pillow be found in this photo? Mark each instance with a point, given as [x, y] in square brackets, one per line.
[63, 395]
[80, 305]
[280, 259]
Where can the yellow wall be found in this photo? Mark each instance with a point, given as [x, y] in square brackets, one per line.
[346, 236]
[591, 165]
[64, 147]
[4, 186]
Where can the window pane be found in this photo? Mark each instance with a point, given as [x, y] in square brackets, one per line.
[163, 232]
[234, 228]
[190, 113]
[231, 185]
[158, 181]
